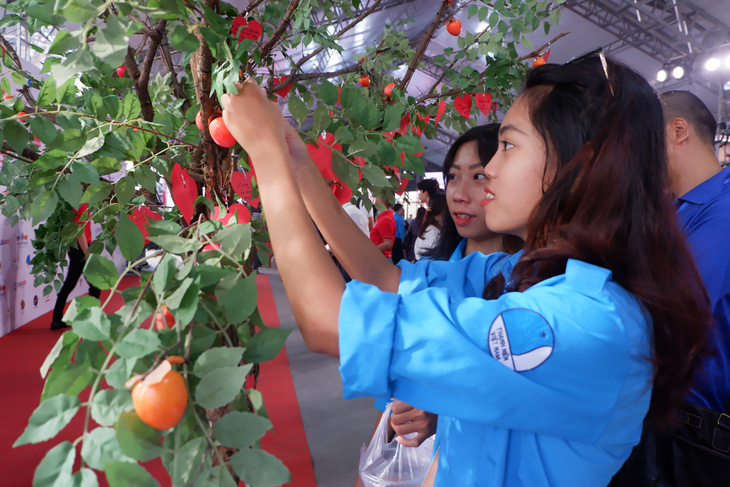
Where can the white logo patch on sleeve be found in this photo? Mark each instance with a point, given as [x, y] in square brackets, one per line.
[521, 339]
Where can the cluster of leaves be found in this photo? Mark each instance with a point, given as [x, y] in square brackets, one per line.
[107, 140]
[209, 294]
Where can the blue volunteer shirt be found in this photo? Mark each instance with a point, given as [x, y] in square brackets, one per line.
[705, 213]
[544, 387]
[400, 226]
[412, 279]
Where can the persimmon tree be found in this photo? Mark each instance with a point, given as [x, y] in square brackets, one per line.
[113, 113]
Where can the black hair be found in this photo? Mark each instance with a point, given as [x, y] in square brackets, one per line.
[608, 205]
[683, 104]
[487, 139]
[397, 207]
[437, 206]
[431, 186]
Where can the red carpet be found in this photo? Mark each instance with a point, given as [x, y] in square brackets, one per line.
[22, 352]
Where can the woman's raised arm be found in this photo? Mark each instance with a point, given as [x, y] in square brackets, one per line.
[358, 255]
[312, 282]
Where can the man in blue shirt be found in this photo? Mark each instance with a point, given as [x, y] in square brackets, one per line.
[400, 232]
[697, 452]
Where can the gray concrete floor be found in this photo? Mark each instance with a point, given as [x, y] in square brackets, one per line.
[335, 428]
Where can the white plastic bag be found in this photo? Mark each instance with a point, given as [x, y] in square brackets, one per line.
[391, 464]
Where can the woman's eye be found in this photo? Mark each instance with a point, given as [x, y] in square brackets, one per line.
[450, 177]
[507, 145]
[480, 175]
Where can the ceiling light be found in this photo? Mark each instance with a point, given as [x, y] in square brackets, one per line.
[678, 72]
[712, 64]
[661, 75]
[726, 86]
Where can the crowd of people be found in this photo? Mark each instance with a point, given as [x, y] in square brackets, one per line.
[573, 303]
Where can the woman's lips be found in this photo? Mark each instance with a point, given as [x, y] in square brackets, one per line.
[462, 219]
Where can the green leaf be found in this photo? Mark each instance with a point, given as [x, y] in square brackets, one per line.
[129, 238]
[56, 467]
[374, 175]
[51, 159]
[136, 439]
[175, 244]
[138, 343]
[241, 299]
[43, 206]
[101, 446]
[111, 42]
[16, 135]
[92, 323]
[392, 119]
[217, 476]
[124, 189]
[328, 92]
[266, 344]
[96, 194]
[145, 176]
[85, 477]
[132, 107]
[108, 404]
[49, 419]
[70, 191]
[124, 474]
[90, 146]
[221, 386]
[70, 381]
[120, 371]
[298, 109]
[100, 271]
[44, 130]
[216, 358]
[183, 40]
[70, 140]
[184, 463]
[47, 95]
[260, 469]
[235, 239]
[240, 429]
[85, 172]
[52, 355]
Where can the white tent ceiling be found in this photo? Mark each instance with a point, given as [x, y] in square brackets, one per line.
[643, 34]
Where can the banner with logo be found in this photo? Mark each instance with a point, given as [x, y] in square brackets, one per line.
[20, 301]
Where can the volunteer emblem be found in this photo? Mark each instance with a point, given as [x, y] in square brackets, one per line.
[521, 339]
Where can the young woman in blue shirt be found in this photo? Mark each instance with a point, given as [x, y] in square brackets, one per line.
[548, 379]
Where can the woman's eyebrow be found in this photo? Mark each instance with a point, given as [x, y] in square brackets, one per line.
[508, 127]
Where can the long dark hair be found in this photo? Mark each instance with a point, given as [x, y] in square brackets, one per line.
[436, 207]
[487, 139]
[609, 205]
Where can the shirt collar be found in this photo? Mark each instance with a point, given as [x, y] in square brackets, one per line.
[709, 189]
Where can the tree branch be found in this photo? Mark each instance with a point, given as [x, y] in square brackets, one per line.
[141, 77]
[251, 7]
[10, 51]
[352, 24]
[301, 77]
[283, 25]
[422, 48]
[540, 49]
[453, 63]
[176, 86]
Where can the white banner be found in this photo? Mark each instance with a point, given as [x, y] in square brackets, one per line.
[20, 301]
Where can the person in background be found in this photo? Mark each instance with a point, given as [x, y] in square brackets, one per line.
[426, 189]
[383, 232]
[400, 232]
[696, 451]
[76, 260]
[412, 234]
[463, 228]
[431, 228]
[359, 215]
[598, 339]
